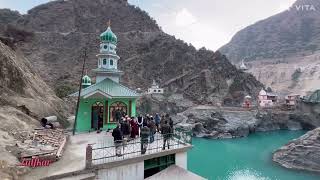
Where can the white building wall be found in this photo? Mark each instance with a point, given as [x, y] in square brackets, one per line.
[131, 171]
[266, 103]
[155, 91]
[181, 160]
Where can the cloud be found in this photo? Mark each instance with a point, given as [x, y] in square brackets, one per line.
[203, 34]
[185, 18]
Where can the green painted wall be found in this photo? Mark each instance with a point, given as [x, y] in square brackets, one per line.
[133, 106]
[85, 110]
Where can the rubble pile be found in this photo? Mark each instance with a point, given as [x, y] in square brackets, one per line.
[45, 144]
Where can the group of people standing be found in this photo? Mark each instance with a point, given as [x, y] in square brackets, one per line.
[145, 127]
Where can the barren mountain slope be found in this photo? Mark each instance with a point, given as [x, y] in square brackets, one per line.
[293, 32]
[299, 75]
[281, 46]
[24, 99]
[63, 28]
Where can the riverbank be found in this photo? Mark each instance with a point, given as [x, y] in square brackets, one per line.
[243, 158]
[225, 122]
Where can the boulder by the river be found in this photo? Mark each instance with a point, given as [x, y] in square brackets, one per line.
[302, 153]
[211, 122]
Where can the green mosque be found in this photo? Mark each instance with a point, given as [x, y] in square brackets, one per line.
[99, 101]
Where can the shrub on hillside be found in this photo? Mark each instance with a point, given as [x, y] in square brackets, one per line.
[64, 90]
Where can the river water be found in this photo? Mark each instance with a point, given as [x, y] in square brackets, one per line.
[248, 158]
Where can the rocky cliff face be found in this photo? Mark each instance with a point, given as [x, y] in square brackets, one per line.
[63, 28]
[294, 31]
[24, 99]
[282, 51]
[8, 16]
[227, 122]
[22, 88]
[302, 153]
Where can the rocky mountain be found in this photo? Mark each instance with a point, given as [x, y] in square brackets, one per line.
[282, 51]
[63, 29]
[294, 31]
[24, 99]
[8, 16]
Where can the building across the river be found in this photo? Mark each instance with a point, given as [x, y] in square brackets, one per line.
[267, 99]
[291, 100]
[100, 101]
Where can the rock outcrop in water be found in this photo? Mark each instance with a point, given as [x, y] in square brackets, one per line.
[302, 153]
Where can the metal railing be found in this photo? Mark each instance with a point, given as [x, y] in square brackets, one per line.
[104, 152]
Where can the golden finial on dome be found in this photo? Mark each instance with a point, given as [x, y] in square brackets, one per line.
[109, 23]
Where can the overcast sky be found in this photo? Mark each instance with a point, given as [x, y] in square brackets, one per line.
[203, 23]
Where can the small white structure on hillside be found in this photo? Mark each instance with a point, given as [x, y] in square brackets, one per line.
[243, 67]
[267, 99]
[155, 89]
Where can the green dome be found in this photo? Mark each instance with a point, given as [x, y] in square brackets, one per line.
[108, 36]
[86, 80]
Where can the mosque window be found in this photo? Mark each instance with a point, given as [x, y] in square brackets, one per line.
[111, 62]
[104, 61]
[105, 47]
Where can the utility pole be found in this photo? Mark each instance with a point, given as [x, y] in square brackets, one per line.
[80, 87]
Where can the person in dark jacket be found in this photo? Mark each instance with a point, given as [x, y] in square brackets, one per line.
[125, 128]
[171, 124]
[44, 122]
[153, 129]
[166, 134]
[157, 121]
[117, 115]
[100, 122]
[146, 120]
[162, 120]
[123, 114]
[117, 138]
[144, 139]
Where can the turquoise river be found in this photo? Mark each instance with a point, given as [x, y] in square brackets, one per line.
[248, 158]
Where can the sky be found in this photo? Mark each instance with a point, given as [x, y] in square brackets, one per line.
[203, 23]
